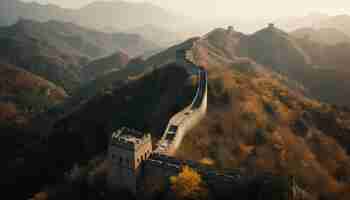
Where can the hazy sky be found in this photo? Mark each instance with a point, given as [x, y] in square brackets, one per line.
[235, 8]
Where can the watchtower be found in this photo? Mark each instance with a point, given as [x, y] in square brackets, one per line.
[230, 29]
[127, 151]
[271, 25]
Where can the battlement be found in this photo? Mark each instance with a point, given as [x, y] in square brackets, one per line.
[129, 138]
[128, 150]
[230, 29]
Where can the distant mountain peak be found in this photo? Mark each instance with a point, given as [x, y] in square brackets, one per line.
[122, 56]
[325, 35]
[110, 14]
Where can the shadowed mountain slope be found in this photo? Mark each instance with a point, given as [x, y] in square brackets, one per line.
[275, 48]
[328, 76]
[137, 102]
[105, 65]
[135, 69]
[145, 104]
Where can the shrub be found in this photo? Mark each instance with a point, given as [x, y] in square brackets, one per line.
[249, 116]
[269, 108]
[7, 111]
[41, 196]
[261, 136]
[218, 94]
[276, 189]
[271, 126]
[188, 184]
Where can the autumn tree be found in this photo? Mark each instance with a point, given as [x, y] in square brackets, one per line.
[8, 111]
[41, 196]
[188, 185]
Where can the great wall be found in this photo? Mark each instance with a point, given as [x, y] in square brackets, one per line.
[184, 120]
[134, 160]
[130, 150]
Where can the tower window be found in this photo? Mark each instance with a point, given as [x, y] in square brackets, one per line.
[121, 160]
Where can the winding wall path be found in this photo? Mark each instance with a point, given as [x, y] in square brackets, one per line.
[185, 120]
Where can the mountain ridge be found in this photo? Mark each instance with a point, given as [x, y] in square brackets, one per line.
[329, 36]
[58, 51]
[147, 13]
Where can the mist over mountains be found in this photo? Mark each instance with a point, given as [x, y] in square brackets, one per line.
[119, 16]
[97, 15]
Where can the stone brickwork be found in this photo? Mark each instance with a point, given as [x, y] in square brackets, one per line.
[127, 151]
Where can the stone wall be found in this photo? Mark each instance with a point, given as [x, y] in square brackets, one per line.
[189, 117]
[161, 168]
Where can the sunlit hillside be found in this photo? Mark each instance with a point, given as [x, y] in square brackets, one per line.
[259, 121]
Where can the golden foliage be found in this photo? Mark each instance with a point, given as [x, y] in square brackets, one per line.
[188, 184]
[8, 111]
[41, 196]
[152, 185]
[207, 161]
[244, 150]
